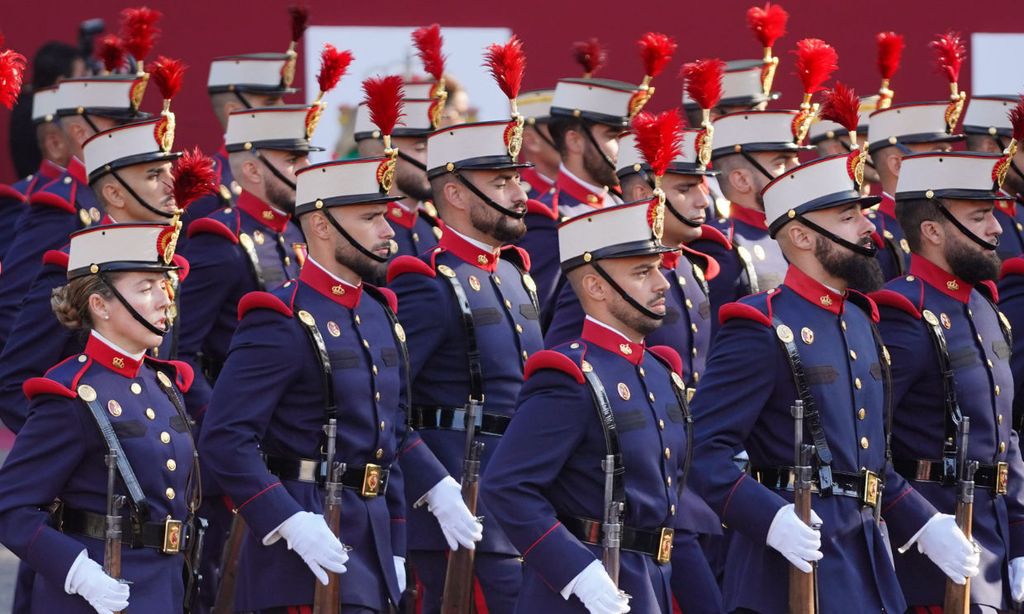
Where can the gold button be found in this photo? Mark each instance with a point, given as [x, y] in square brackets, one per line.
[379, 453]
[366, 344]
[853, 355]
[170, 493]
[864, 442]
[999, 419]
[382, 425]
[861, 413]
[150, 413]
[661, 424]
[668, 453]
[496, 279]
[574, 346]
[843, 324]
[988, 362]
[508, 304]
[165, 437]
[696, 377]
[519, 328]
[136, 388]
[650, 395]
[689, 304]
[358, 319]
[525, 355]
[672, 509]
[376, 396]
[82, 358]
[682, 281]
[997, 390]
[642, 372]
[693, 351]
[1002, 447]
[668, 481]
[171, 465]
[856, 383]
[375, 371]
[693, 327]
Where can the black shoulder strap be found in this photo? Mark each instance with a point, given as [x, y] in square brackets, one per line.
[949, 401]
[254, 260]
[528, 283]
[679, 389]
[324, 359]
[611, 433]
[476, 372]
[743, 254]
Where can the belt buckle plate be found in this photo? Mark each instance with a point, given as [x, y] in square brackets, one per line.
[1002, 478]
[371, 480]
[172, 536]
[665, 546]
[871, 488]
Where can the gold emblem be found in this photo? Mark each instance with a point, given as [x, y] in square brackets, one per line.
[313, 118]
[118, 362]
[946, 322]
[513, 136]
[825, 300]
[399, 332]
[784, 333]
[665, 546]
[267, 215]
[929, 317]
[807, 335]
[396, 212]
[759, 252]
[257, 236]
[94, 214]
[586, 366]
[225, 193]
[430, 208]
[332, 327]
[306, 317]
[625, 349]
[656, 214]
[172, 532]
[166, 381]
[623, 391]
[678, 381]
[114, 408]
[952, 285]
[337, 290]
[482, 259]
[163, 132]
[1002, 477]
[871, 484]
[1006, 322]
[445, 270]
[371, 480]
[83, 216]
[743, 253]
[245, 240]
[474, 283]
[87, 393]
[905, 246]
[386, 171]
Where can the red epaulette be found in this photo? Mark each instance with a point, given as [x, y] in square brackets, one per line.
[211, 226]
[988, 287]
[262, 300]
[877, 238]
[181, 261]
[550, 359]
[57, 258]
[669, 355]
[183, 373]
[38, 386]
[865, 302]
[1012, 266]
[7, 191]
[408, 264]
[539, 208]
[710, 233]
[49, 199]
[389, 295]
[520, 255]
[732, 311]
[895, 300]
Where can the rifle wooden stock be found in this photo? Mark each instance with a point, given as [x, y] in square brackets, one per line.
[458, 583]
[802, 586]
[112, 535]
[225, 600]
[327, 599]
[958, 597]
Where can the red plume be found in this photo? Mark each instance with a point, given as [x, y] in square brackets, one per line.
[167, 75]
[194, 177]
[299, 18]
[659, 138]
[816, 60]
[428, 42]
[139, 31]
[890, 50]
[384, 98]
[590, 55]
[12, 71]
[111, 52]
[1016, 115]
[704, 81]
[333, 65]
[950, 54]
[841, 106]
[656, 51]
[768, 24]
[507, 63]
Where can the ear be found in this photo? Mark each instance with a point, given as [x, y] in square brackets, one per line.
[593, 286]
[893, 163]
[98, 307]
[453, 195]
[932, 232]
[113, 195]
[575, 141]
[251, 171]
[740, 179]
[637, 191]
[799, 236]
[77, 132]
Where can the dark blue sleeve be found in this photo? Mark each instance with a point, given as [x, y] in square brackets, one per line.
[566, 319]
[724, 288]
[1011, 303]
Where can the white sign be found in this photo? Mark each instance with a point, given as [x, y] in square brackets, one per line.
[995, 64]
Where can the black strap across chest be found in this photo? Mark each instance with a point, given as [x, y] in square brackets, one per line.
[611, 432]
[743, 255]
[950, 404]
[476, 371]
[138, 499]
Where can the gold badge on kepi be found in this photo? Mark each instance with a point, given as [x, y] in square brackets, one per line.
[474, 283]
[332, 327]
[784, 333]
[114, 408]
[623, 391]
[807, 335]
[625, 349]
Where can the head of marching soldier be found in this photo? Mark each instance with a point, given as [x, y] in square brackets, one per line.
[945, 204]
[119, 283]
[742, 90]
[995, 124]
[612, 258]
[409, 138]
[814, 212]
[751, 149]
[89, 105]
[53, 143]
[539, 148]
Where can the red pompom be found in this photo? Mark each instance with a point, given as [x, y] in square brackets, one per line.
[659, 138]
[429, 43]
[1016, 115]
[816, 60]
[299, 18]
[194, 177]
[950, 54]
[841, 106]
[139, 31]
[111, 52]
[656, 51]
[167, 75]
[768, 24]
[890, 50]
[507, 63]
[12, 72]
[333, 65]
[590, 55]
[384, 99]
[704, 81]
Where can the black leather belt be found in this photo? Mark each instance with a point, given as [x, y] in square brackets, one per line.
[454, 419]
[367, 480]
[866, 486]
[169, 537]
[656, 543]
[993, 477]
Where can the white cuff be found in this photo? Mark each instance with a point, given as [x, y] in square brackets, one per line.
[566, 592]
[917, 535]
[83, 555]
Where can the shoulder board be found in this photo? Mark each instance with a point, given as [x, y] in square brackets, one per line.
[57, 258]
[49, 199]
[182, 371]
[517, 255]
[707, 263]
[1012, 266]
[550, 359]
[262, 300]
[539, 208]
[668, 355]
[864, 302]
[38, 386]
[408, 264]
[877, 238]
[211, 226]
[988, 288]
[181, 261]
[12, 193]
[710, 233]
[383, 295]
[732, 311]
[895, 300]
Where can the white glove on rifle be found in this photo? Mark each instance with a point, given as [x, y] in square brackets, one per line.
[460, 527]
[594, 587]
[794, 540]
[400, 572]
[1017, 578]
[87, 579]
[947, 546]
[310, 537]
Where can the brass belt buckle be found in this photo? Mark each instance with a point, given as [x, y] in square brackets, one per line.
[924, 471]
[371, 480]
[665, 546]
[871, 488]
[172, 536]
[1002, 478]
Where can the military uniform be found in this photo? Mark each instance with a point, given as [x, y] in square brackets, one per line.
[893, 249]
[1011, 304]
[535, 107]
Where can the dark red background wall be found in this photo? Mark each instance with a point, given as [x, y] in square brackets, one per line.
[197, 30]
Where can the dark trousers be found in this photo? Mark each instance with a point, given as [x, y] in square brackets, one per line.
[498, 577]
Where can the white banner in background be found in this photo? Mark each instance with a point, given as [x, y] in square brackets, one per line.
[996, 66]
[389, 51]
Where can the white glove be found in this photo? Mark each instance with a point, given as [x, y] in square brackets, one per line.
[87, 579]
[1017, 578]
[310, 537]
[595, 589]
[794, 540]
[460, 527]
[946, 545]
[400, 572]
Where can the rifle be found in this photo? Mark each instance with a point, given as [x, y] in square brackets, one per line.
[958, 598]
[114, 523]
[225, 600]
[193, 573]
[611, 527]
[458, 583]
[803, 587]
[327, 599]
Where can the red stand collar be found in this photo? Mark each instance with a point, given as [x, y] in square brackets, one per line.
[50, 170]
[535, 179]
[670, 260]
[467, 252]
[573, 188]
[314, 276]
[613, 342]
[944, 282]
[77, 170]
[106, 356]
[402, 216]
[1009, 207]
[262, 212]
[750, 217]
[813, 291]
[888, 205]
